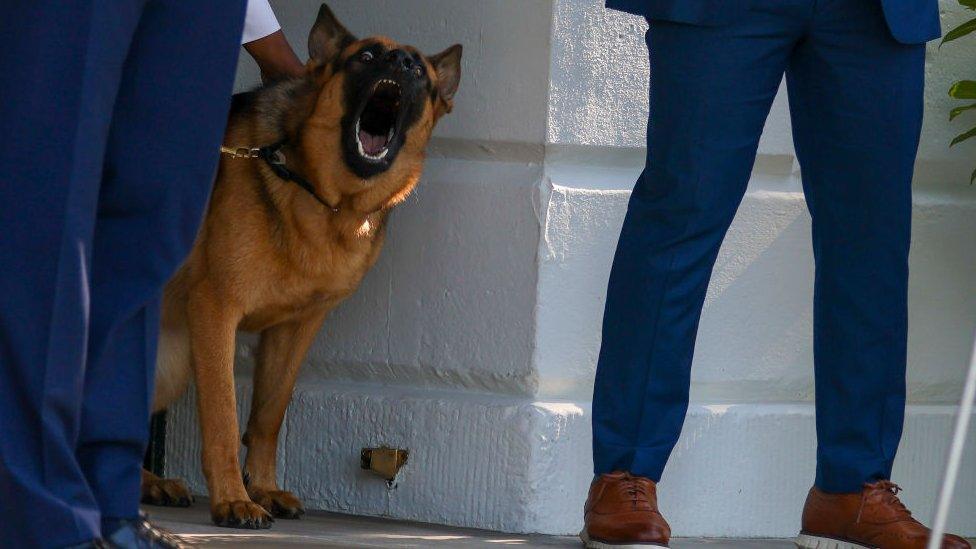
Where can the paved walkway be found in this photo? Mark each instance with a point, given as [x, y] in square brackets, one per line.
[319, 529]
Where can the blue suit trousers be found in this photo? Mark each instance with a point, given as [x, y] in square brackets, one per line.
[111, 112]
[856, 104]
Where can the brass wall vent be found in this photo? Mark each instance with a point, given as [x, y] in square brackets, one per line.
[383, 461]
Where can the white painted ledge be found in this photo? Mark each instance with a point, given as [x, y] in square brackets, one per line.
[523, 466]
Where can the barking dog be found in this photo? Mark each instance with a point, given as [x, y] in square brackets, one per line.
[295, 221]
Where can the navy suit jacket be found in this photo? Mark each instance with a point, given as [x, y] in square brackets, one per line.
[910, 21]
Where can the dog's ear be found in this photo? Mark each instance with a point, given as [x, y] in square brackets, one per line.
[328, 37]
[447, 64]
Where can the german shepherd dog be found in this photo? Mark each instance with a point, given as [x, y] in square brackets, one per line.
[295, 221]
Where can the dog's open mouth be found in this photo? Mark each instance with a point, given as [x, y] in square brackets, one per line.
[377, 125]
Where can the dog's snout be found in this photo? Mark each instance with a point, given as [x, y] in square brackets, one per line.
[400, 60]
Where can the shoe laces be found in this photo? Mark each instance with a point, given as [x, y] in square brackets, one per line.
[635, 490]
[885, 493]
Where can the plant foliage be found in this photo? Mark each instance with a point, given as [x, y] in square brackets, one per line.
[963, 89]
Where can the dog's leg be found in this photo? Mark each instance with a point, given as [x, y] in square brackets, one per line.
[280, 356]
[172, 376]
[167, 492]
[212, 332]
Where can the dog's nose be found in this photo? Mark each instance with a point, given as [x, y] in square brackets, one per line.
[400, 60]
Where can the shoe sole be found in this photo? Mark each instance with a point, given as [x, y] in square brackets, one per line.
[596, 544]
[806, 541]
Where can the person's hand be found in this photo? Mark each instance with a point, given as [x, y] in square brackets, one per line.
[275, 57]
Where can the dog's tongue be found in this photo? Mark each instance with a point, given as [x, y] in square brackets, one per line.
[372, 144]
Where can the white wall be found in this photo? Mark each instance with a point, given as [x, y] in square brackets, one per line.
[474, 340]
[597, 114]
[755, 342]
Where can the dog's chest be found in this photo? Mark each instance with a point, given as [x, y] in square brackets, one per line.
[313, 280]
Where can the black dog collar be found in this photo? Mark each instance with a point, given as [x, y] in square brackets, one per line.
[275, 158]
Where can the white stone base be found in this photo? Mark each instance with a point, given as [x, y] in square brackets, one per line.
[514, 465]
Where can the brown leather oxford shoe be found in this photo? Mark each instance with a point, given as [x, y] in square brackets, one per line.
[621, 512]
[873, 519]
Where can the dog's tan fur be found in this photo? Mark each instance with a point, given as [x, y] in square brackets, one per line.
[271, 259]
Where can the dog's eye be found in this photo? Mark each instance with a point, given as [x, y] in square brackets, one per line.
[366, 56]
[418, 72]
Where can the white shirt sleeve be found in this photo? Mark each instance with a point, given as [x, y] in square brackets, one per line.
[259, 22]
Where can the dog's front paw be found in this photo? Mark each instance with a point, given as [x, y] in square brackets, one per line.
[279, 503]
[167, 492]
[240, 514]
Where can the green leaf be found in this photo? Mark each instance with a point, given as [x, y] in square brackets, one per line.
[964, 89]
[959, 32]
[959, 110]
[971, 4]
[963, 136]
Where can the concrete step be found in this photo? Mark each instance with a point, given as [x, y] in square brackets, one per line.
[319, 529]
